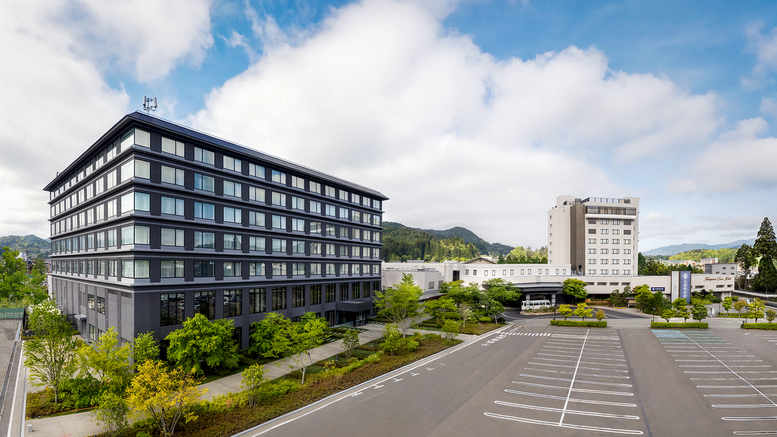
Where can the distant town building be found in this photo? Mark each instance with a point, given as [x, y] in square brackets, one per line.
[596, 236]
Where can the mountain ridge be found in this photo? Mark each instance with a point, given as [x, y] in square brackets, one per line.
[685, 247]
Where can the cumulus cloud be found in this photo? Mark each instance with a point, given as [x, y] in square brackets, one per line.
[764, 47]
[152, 37]
[383, 94]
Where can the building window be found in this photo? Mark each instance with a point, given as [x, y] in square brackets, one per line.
[233, 303]
[233, 215]
[604, 241]
[616, 231]
[628, 251]
[627, 232]
[592, 251]
[315, 268]
[279, 199]
[172, 268]
[330, 269]
[233, 189]
[279, 222]
[135, 235]
[616, 241]
[134, 269]
[172, 175]
[204, 211]
[171, 237]
[256, 269]
[256, 218]
[591, 261]
[279, 177]
[298, 296]
[90, 301]
[331, 290]
[298, 225]
[298, 247]
[232, 269]
[205, 303]
[592, 231]
[136, 137]
[256, 244]
[297, 203]
[356, 292]
[315, 248]
[604, 251]
[614, 261]
[172, 309]
[278, 298]
[298, 182]
[331, 191]
[343, 291]
[591, 271]
[604, 231]
[234, 164]
[256, 194]
[331, 210]
[616, 222]
[204, 240]
[315, 227]
[278, 245]
[298, 269]
[172, 147]
[344, 213]
[204, 269]
[315, 207]
[603, 261]
[256, 170]
[205, 183]
[279, 269]
[256, 300]
[627, 241]
[626, 261]
[603, 272]
[627, 272]
[204, 156]
[172, 206]
[615, 251]
[134, 202]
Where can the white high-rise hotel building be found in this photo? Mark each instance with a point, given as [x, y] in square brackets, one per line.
[596, 236]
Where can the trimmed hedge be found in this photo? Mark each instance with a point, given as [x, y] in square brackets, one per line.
[671, 325]
[759, 325]
[588, 324]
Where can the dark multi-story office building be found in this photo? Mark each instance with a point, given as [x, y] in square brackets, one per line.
[156, 222]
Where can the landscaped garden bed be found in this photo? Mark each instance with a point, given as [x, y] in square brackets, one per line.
[680, 325]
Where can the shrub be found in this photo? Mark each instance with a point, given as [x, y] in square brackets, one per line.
[664, 325]
[500, 320]
[588, 324]
[451, 315]
[485, 319]
[759, 326]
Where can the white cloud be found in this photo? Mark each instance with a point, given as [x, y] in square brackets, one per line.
[764, 47]
[55, 105]
[661, 225]
[152, 37]
[768, 107]
[382, 94]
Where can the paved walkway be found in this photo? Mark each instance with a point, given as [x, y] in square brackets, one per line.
[81, 424]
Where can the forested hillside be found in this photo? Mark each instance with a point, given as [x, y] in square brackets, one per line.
[401, 243]
[468, 236]
[723, 255]
[28, 244]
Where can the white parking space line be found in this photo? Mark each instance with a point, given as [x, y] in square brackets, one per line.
[612, 384]
[583, 374]
[580, 401]
[568, 411]
[569, 426]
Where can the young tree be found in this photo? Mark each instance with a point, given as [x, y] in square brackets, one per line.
[746, 260]
[144, 348]
[15, 284]
[681, 308]
[271, 337]
[770, 315]
[465, 312]
[667, 314]
[600, 315]
[253, 377]
[50, 355]
[106, 361]
[111, 415]
[583, 311]
[164, 395]
[450, 330]
[435, 308]
[392, 338]
[400, 305]
[644, 298]
[306, 334]
[575, 288]
[565, 311]
[202, 342]
[765, 247]
[497, 293]
[727, 303]
[350, 342]
[757, 309]
[741, 305]
[699, 312]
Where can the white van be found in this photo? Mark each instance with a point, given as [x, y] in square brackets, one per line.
[535, 304]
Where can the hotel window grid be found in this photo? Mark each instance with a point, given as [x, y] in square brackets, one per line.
[278, 245]
[233, 269]
[256, 269]
[315, 207]
[205, 183]
[205, 211]
[256, 244]
[137, 269]
[331, 210]
[233, 215]
[172, 147]
[343, 291]
[256, 300]
[172, 269]
[233, 164]
[298, 182]
[315, 227]
[315, 187]
[279, 222]
[279, 177]
[204, 240]
[298, 225]
[256, 170]
[256, 194]
[298, 296]
[298, 269]
[233, 189]
[171, 237]
[279, 269]
[315, 294]
[172, 175]
[331, 191]
[256, 218]
[315, 248]
[315, 268]
[205, 303]
[172, 206]
[278, 298]
[297, 203]
[204, 156]
[298, 247]
[233, 242]
[330, 269]
[171, 309]
[135, 202]
[344, 213]
[233, 303]
[204, 269]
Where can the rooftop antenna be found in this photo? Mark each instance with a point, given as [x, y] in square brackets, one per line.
[149, 104]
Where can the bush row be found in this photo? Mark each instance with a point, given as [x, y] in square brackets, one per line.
[588, 324]
[759, 325]
[672, 325]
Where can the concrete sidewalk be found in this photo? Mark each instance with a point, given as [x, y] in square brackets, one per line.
[82, 424]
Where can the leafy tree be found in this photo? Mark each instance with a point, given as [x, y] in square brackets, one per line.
[106, 361]
[641, 263]
[765, 247]
[583, 311]
[392, 338]
[270, 338]
[15, 284]
[727, 302]
[468, 294]
[617, 299]
[400, 305]
[50, 355]
[450, 330]
[757, 308]
[746, 261]
[667, 314]
[681, 308]
[435, 308]
[165, 395]
[644, 298]
[306, 334]
[565, 311]
[350, 342]
[144, 348]
[497, 292]
[465, 312]
[111, 415]
[203, 343]
[741, 305]
[253, 377]
[574, 287]
[770, 315]
[699, 312]
[600, 315]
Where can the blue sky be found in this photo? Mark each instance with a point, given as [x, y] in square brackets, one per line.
[471, 113]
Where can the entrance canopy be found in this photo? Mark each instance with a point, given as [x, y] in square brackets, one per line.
[353, 306]
[539, 287]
